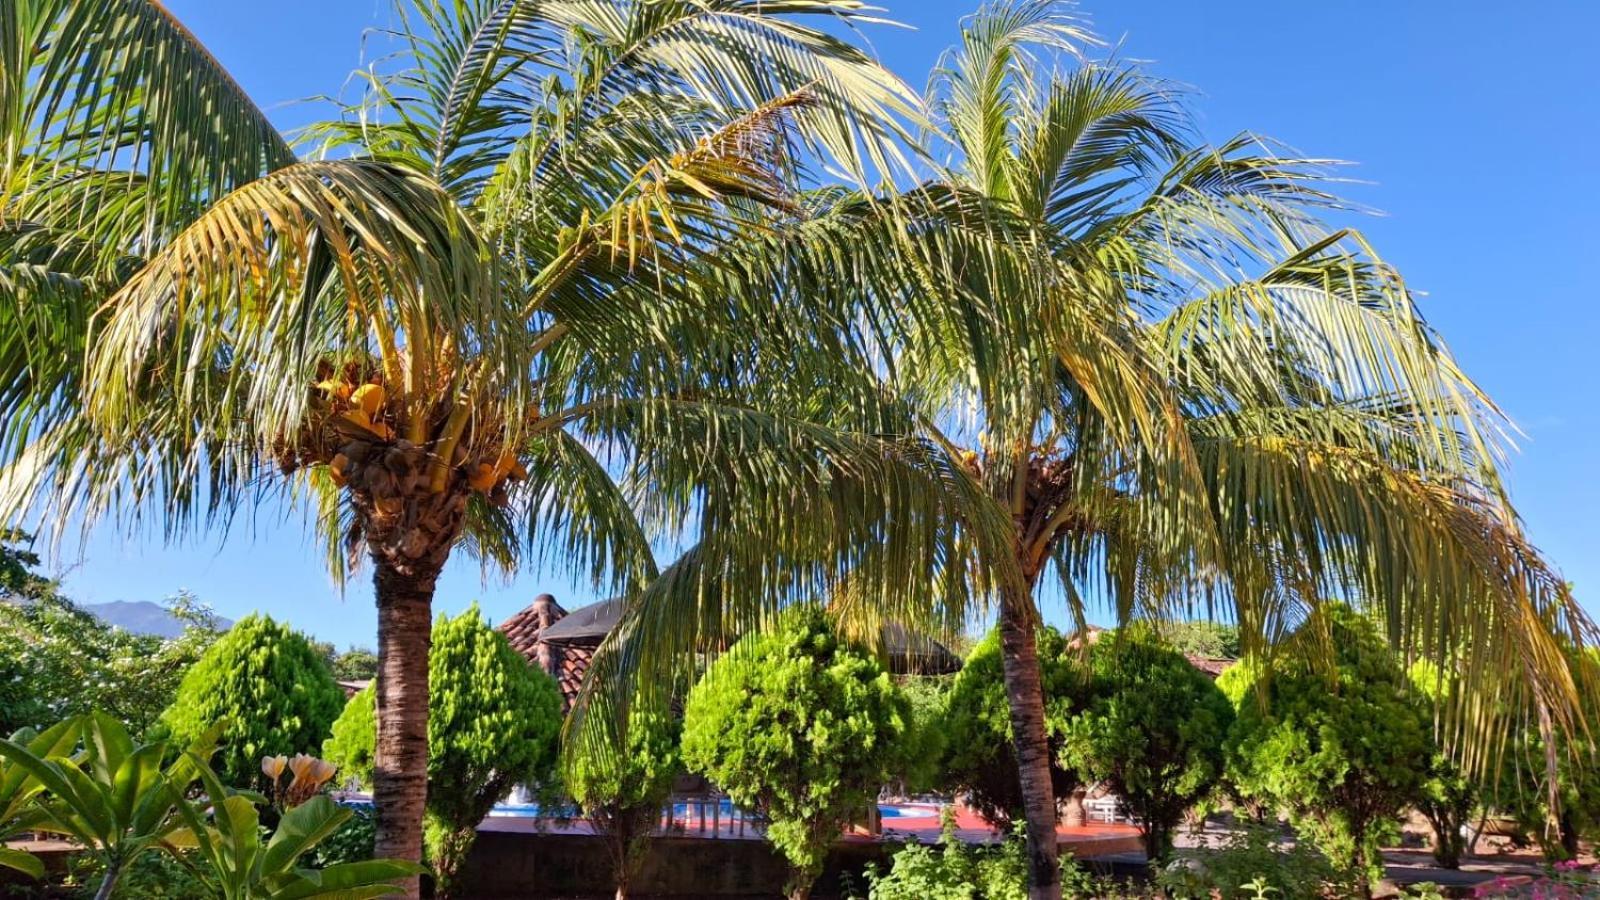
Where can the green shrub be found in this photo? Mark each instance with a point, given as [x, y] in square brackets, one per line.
[271, 688]
[493, 721]
[1448, 796]
[1252, 861]
[1152, 728]
[622, 793]
[353, 741]
[924, 746]
[799, 728]
[1523, 789]
[1343, 751]
[954, 870]
[979, 756]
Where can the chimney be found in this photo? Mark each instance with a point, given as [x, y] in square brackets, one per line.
[547, 612]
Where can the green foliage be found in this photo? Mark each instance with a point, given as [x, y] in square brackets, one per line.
[355, 664]
[243, 864]
[800, 728]
[953, 870]
[115, 798]
[926, 741]
[956, 870]
[1152, 727]
[1448, 796]
[979, 756]
[1524, 786]
[1344, 751]
[271, 688]
[19, 577]
[353, 842]
[174, 875]
[57, 660]
[493, 722]
[621, 794]
[1201, 637]
[1252, 862]
[20, 786]
[353, 743]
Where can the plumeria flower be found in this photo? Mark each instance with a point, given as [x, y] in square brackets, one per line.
[272, 766]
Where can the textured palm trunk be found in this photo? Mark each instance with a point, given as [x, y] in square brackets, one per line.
[1025, 695]
[400, 771]
[410, 530]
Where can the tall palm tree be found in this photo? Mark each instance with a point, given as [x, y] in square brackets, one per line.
[1199, 396]
[516, 270]
[1150, 375]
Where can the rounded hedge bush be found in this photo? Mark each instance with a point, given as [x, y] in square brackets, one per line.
[270, 685]
[800, 728]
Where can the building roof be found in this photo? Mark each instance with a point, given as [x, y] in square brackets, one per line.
[562, 643]
[586, 626]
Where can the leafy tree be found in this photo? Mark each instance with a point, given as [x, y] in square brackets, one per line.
[1201, 637]
[621, 793]
[799, 727]
[57, 660]
[353, 740]
[355, 664]
[269, 685]
[1152, 727]
[953, 870]
[980, 756]
[493, 723]
[1344, 751]
[19, 577]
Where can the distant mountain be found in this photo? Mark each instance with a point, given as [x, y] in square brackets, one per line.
[143, 617]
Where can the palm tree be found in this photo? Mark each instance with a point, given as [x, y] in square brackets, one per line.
[1150, 375]
[1196, 394]
[518, 262]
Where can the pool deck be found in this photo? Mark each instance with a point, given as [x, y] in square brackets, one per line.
[1085, 842]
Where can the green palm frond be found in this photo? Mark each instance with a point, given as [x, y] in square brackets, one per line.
[119, 86]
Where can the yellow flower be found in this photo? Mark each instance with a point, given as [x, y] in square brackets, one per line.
[272, 766]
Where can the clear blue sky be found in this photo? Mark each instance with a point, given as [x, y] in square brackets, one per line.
[1475, 123]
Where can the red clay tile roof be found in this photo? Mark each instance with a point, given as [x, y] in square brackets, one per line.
[565, 663]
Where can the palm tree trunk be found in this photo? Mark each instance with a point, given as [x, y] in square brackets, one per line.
[400, 771]
[1025, 695]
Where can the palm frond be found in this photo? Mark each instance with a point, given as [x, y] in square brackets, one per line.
[119, 86]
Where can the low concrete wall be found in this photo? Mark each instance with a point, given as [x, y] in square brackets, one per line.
[512, 866]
